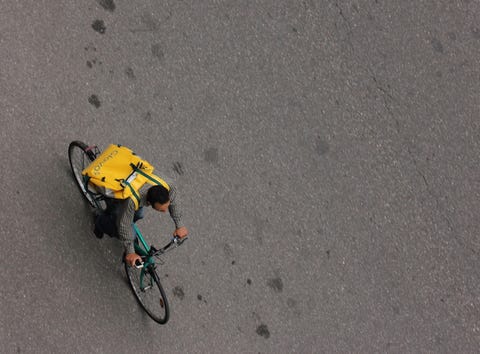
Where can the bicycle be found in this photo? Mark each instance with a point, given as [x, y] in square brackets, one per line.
[143, 278]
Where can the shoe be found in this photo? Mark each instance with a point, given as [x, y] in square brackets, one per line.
[97, 212]
[98, 232]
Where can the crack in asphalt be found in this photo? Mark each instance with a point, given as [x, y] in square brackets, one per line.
[392, 104]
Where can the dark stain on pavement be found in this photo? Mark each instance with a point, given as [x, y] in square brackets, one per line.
[178, 168]
[99, 26]
[129, 73]
[321, 146]
[178, 292]
[263, 331]
[94, 101]
[148, 116]
[200, 298]
[90, 47]
[452, 36]
[276, 284]
[211, 155]
[158, 52]
[437, 45]
[108, 5]
[92, 62]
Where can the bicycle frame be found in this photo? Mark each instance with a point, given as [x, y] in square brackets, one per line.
[143, 251]
[149, 252]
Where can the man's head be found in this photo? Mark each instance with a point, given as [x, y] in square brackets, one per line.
[159, 198]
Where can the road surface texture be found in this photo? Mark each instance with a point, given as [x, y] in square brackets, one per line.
[327, 154]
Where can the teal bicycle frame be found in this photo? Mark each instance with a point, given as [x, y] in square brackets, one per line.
[148, 253]
[145, 251]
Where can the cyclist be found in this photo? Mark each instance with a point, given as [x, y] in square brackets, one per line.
[117, 220]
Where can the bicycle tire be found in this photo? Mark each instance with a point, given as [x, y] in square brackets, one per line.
[151, 297]
[79, 158]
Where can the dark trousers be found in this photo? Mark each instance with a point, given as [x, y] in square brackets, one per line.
[107, 222]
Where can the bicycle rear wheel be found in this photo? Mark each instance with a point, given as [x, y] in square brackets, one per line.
[80, 157]
[146, 286]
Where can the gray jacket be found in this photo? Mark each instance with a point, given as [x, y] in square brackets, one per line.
[127, 213]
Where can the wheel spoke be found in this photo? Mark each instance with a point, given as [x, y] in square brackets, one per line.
[149, 293]
[79, 160]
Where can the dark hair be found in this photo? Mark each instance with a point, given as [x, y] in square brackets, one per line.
[158, 194]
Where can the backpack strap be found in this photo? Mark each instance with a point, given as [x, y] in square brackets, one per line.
[135, 197]
[152, 178]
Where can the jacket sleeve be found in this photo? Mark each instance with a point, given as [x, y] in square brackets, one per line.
[125, 230]
[175, 208]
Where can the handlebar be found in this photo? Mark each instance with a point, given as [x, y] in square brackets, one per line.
[175, 242]
[178, 240]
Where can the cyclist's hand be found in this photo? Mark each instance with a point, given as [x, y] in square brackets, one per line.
[181, 232]
[131, 258]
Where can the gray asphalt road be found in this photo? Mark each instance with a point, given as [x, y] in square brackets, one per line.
[327, 155]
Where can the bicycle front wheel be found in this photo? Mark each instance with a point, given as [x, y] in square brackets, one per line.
[146, 287]
[80, 157]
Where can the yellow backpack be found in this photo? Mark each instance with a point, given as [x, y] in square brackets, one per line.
[118, 173]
